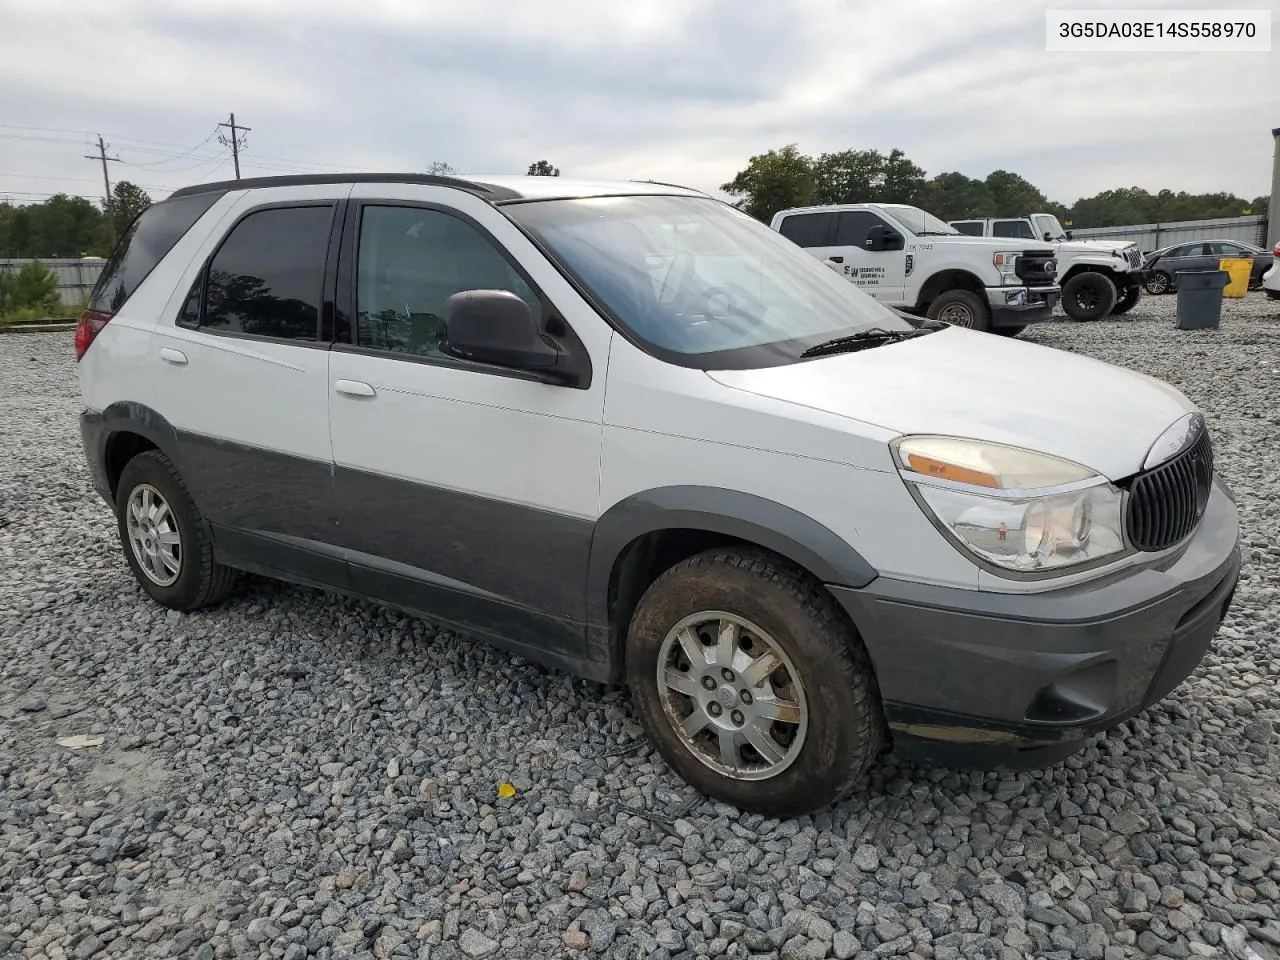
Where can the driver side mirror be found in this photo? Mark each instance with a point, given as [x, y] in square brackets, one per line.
[1048, 237]
[495, 326]
[880, 237]
[1068, 233]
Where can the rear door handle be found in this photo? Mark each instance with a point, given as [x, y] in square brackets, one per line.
[353, 388]
[170, 355]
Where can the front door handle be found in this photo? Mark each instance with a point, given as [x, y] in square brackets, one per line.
[170, 355]
[353, 388]
[836, 259]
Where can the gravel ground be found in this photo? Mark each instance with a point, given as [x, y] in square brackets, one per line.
[297, 775]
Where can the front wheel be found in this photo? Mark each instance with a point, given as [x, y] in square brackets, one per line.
[960, 308]
[1128, 300]
[753, 687]
[1158, 283]
[1088, 296]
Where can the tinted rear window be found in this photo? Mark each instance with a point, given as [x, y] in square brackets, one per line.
[145, 243]
[808, 229]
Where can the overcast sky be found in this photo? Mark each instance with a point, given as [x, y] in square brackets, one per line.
[677, 90]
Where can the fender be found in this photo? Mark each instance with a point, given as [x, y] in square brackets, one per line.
[126, 416]
[745, 516]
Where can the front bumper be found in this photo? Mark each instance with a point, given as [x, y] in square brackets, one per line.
[970, 677]
[1019, 306]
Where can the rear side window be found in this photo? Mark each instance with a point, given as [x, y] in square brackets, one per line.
[149, 238]
[970, 228]
[267, 277]
[808, 229]
[1012, 228]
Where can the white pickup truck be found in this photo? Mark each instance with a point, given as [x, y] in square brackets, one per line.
[1098, 277]
[910, 259]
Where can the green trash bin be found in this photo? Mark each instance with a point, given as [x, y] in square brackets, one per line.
[1200, 298]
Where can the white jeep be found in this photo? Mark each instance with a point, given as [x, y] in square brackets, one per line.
[1083, 265]
[911, 260]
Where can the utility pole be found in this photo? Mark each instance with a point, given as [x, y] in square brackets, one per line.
[234, 141]
[106, 181]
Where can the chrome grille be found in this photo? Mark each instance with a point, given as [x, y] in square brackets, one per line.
[1134, 257]
[1167, 502]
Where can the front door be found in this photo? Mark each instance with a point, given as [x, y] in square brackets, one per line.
[879, 273]
[464, 490]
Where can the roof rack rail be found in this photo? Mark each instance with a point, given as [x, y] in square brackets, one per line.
[486, 190]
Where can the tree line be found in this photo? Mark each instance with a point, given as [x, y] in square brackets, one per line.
[67, 227]
[785, 177]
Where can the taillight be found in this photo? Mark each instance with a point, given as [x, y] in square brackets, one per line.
[1276, 249]
[90, 326]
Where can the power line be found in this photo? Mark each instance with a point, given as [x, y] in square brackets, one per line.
[233, 141]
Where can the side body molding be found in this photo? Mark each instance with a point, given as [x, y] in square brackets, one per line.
[745, 516]
[124, 417]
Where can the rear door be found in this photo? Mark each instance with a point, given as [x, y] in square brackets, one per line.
[240, 369]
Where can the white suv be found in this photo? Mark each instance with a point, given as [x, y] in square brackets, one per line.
[625, 430]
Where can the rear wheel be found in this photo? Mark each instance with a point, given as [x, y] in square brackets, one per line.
[752, 685]
[1127, 300]
[165, 540]
[1159, 282]
[1088, 296]
[960, 308]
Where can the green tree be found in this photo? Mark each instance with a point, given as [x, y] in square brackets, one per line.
[903, 181]
[1013, 196]
[441, 169]
[542, 169]
[773, 181]
[850, 176]
[954, 196]
[127, 201]
[32, 286]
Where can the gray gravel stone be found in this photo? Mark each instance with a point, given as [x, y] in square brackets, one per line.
[297, 771]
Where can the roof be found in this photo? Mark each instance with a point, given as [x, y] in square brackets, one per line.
[497, 189]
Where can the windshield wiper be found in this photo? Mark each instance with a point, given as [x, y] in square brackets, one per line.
[862, 340]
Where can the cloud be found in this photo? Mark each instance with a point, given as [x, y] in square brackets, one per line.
[680, 90]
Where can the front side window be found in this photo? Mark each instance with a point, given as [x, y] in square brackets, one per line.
[698, 282]
[853, 227]
[267, 277]
[411, 260]
[808, 229]
[1018, 229]
[1047, 223]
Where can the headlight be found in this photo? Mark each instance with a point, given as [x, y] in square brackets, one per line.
[1004, 263]
[1016, 509]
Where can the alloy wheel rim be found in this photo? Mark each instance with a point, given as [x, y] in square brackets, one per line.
[732, 695]
[1159, 283]
[153, 535]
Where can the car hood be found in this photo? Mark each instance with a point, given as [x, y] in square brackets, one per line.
[1095, 247]
[965, 384]
[992, 243]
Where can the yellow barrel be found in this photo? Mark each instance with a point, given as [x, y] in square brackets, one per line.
[1239, 268]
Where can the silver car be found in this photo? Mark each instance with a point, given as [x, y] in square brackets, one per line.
[1162, 266]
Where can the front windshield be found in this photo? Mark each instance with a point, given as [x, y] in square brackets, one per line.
[1048, 223]
[701, 283]
[919, 222]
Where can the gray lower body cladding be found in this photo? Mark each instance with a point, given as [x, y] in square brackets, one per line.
[979, 678]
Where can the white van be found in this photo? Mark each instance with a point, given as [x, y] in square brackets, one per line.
[625, 430]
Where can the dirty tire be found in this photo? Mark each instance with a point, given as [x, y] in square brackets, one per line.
[845, 723]
[1088, 296]
[967, 309]
[1159, 282]
[1009, 331]
[201, 581]
[1128, 300]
